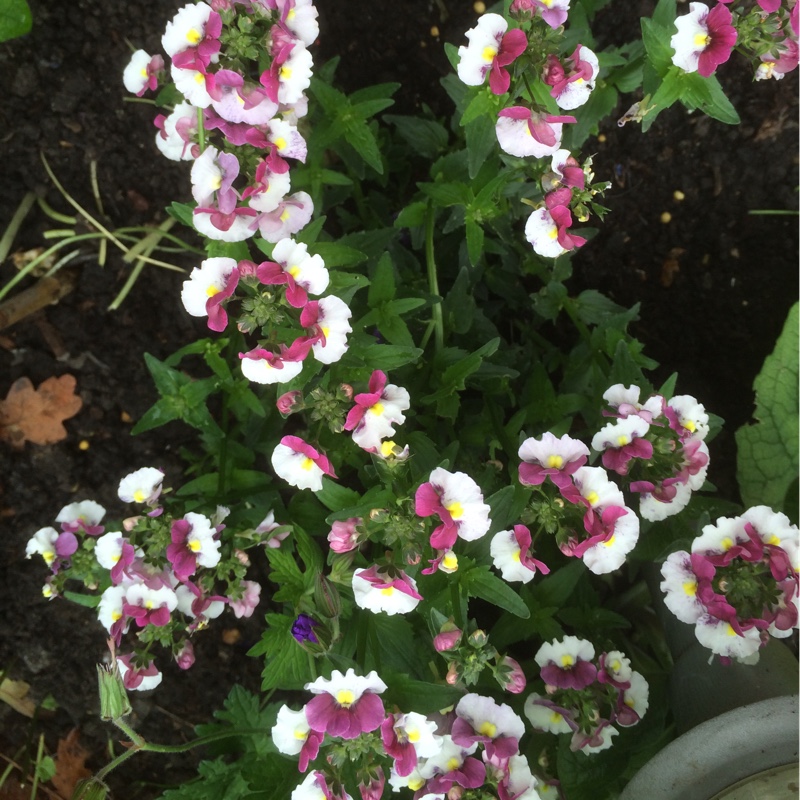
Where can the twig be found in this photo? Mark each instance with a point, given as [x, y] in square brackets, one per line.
[44, 292]
[13, 226]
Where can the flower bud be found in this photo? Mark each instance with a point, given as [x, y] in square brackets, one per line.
[290, 402]
[326, 597]
[343, 537]
[247, 269]
[90, 789]
[510, 676]
[347, 390]
[242, 557]
[130, 523]
[478, 638]
[453, 674]
[447, 638]
[113, 697]
[184, 658]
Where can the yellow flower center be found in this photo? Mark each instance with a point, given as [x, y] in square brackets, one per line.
[387, 448]
[567, 660]
[488, 729]
[452, 764]
[388, 591]
[286, 72]
[294, 271]
[516, 556]
[555, 462]
[592, 498]
[194, 545]
[412, 735]
[488, 54]
[701, 40]
[116, 615]
[727, 543]
[139, 496]
[49, 556]
[415, 784]
[456, 510]
[555, 717]
[690, 587]
[280, 143]
[622, 440]
[301, 735]
[193, 35]
[345, 698]
[306, 464]
[450, 561]
[377, 409]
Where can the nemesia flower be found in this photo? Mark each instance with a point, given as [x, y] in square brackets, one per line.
[544, 715]
[141, 73]
[595, 488]
[687, 416]
[150, 602]
[268, 188]
[567, 663]
[300, 17]
[378, 590]
[615, 668]
[596, 740]
[328, 320]
[522, 132]
[141, 486]
[572, 80]
[480, 719]
[302, 273]
[303, 629]
[491, 50]
[510, 551]
[295, 75]
[376, 412]
[176, 133]
[343, 536]
[566, 171]
[139, 679]
[185, 658]
[547, 232]
[51, 545]
[621, 441]
[113, 552]
[554, 12]
[519, 782]
[299, 464]
[314, 787]
[192, 84]
[85, 515]
[262, 366]
[292, 736]
[407, 738]
[346, 705]
[193, 544]
[549, 457]
[214, 281]
[288, 217]
[198, 606]
[287, 140]
[458, 502]
[187, 28]
[451, 766]
[625, 402]
[110, 612]
[704, 40]
[613, 533]
[246, 604]
[634, 701]
[778, 62]
[238, 101]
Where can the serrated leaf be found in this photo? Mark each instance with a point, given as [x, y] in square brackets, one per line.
[335, 254]
[359, 136]
[426, 137]
[767, 459]
[286, 664]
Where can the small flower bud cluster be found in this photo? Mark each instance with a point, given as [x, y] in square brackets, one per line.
[584, 697]
[530, 130]
[159, 573]
[739, 584]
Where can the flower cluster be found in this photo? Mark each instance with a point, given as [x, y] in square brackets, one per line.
[433, 757]
[158, 573]
[739, 584]
[767, 31]
[238, 125]
[530, 130]
[584, 696]
[658, 448]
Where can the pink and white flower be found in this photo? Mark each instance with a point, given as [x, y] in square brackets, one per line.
[245, 605]
[623, 440]
[481, 720]
[303, 274]
[51, 545]
[290, 216]
[328, 320]
[625, 402]
[141, 486]
[407, 738]
[510, 551]
[299, 464]
[545, 715]
[150, 602]
[139, 679]
[194, 543]
[551, 457]
[375, 413]
[522, 132]
[346, 705]
[85, 516]
[554, 12]
[263, 366]
[187, 28]
[491, 50]
[141, 73]
[705, 38]
[203, 294]
[114, 553]
[176, 133]
[458, 502]
[567, 663]
[344, 536]
[572, 80]
[292, 736]
[377, 590]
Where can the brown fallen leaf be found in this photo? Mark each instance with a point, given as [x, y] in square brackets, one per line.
[35, 415]
[70, 764]
[15, 694]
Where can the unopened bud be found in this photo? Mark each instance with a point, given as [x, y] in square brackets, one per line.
[510, 676]
[289, 402]
[326, 597]
[247, 269]
[347, 390]
[130, 523]
[478, 638]
[446, 639]
[113, 697]
[242, 557]
[453, 674]
[184, 658]
[90, 789]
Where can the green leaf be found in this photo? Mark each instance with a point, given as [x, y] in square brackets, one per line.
[481, 582]
[217, 781]
[455, 375]
[335, 497]
[86, 600]
[390, 356]
[448, 194]
[335, 254]
[422, 697]
[767, 459]
[474, 241]
[707, 95]
[426, 137]
[15, 19]
[183, 212]
[382, 284]
[286, 664]
[657, 45]
[359, 136]
[481, 142]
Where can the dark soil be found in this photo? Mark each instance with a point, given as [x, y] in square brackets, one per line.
[714, 285]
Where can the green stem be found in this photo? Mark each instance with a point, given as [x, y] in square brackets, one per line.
[433, 278]
[455, 601]
[16, 221]
[201, 130]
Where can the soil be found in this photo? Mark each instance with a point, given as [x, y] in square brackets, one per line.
[714, 283]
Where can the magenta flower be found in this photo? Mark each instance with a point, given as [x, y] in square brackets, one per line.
[550, 457]
[346, 705]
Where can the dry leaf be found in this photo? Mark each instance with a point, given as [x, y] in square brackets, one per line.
[15, 694]
[70, 764]
[35, 415]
